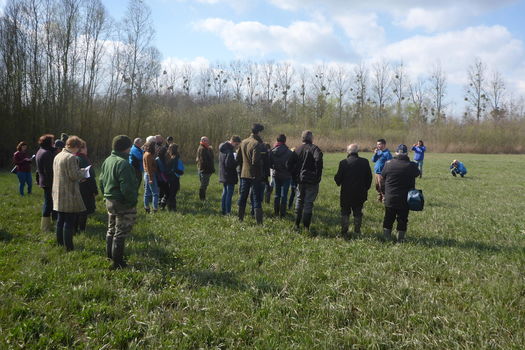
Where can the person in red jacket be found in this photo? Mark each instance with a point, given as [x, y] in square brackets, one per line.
[23, 167]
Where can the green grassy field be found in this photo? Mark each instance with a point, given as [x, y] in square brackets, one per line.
[200, 280]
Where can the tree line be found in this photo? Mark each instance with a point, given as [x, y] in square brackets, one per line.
[67, 66]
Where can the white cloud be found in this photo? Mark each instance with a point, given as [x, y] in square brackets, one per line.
[364, 31]
[411, 14]
[456, 50]
[301, 40]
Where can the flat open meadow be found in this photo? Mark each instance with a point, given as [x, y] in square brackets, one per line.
[200, 280]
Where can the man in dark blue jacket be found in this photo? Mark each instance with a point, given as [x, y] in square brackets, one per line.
[135, 159]
[228, 175]
[380, 157]
[399, 177]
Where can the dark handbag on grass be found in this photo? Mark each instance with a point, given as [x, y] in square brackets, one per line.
[415, 200]
[14, 171]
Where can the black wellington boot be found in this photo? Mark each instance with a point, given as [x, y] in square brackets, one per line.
[109, 247]
[345, 221]
[118, 254]
[259, 216]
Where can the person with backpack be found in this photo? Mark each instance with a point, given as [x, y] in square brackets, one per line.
[306, 167]
[22, 162]
[228, 175]
[282, 177]
[118, 184]
[355, 177]
[174, 170]
[399, 175]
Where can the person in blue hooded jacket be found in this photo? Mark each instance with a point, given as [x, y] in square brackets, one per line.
[135, 159]
[380, 157]
[458, 168]
[419, 155]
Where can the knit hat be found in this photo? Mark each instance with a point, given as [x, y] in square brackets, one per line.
[402, 149]
[121, 143]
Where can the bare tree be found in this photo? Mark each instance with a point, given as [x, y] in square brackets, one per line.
[495, 92]
[220, 81]
[381, 87]
[341, 84]
[438, 90]
[252, 82]
[417, 92]
[475, 94]
[138, 36]
[399, 87]
[237, 71]
[359, 88]
[321, 86]
[285, 75]
[268, 81]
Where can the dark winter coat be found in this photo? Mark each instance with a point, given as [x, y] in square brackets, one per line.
[44, 165]
[399, 177]
[88, 188]
[306, 164]
[250, 158]
[205, 162]
[227, 164]
[355, 177]
[279, 157]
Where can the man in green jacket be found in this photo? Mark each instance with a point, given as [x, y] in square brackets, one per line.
[118, 184]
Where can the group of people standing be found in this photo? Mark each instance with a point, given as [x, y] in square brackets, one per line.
[68, 181]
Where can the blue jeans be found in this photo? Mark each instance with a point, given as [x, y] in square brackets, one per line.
[257, 188]
[151, 192]
[47, 208]
[420, 166]
[281, 188]
[227, 195]
[25, 178]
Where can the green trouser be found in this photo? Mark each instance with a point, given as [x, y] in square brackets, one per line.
[120, 223]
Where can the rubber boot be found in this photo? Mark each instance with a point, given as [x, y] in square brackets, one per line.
[344, 226]
[387, 234]
[307, 220]
[283, 209]
[276, 207]
[117, 254]
[401, 236]
[259, 216]
[202, 194]
[68, 238]
[45, 224]
[298, 218]
[109, 247]
[242, 210]
[292, 197]
[357, 226]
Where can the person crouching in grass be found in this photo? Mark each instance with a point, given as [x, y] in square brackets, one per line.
[118, 184]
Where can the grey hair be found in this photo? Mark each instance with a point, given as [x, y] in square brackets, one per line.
[151, 139]
[352, 148]
[307, 136]
[137, 140]
[204, 138]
